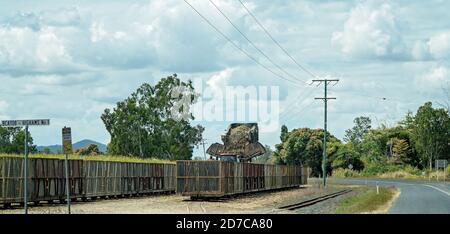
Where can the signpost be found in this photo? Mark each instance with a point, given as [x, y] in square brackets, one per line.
[22, 123]
[441, 163]
[25, 123]
[67, 149]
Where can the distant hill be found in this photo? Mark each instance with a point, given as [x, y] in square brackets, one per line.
[77, 145]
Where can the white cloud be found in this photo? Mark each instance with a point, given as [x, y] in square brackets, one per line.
[61, 17]
[34, 90]
[98, 32]
[25, 49]
[218, 81]
[49, 48]
[69, 63]
[421, 51]
[65, 80]
[439, 45]
[371, 31]
[103, 94]
[3, 105]
[434, 79]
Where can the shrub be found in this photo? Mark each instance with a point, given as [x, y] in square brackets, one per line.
[340, 172]
[91, 149]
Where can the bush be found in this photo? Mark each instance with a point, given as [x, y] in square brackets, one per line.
[340, 172]
[412, 170]
[382, 171]
[91, 149]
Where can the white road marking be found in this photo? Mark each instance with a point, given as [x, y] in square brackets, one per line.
[431, 186]
[398, 182]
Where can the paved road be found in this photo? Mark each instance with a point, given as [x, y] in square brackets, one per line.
[415, 197]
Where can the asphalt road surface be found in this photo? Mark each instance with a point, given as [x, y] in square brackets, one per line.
[416, 197]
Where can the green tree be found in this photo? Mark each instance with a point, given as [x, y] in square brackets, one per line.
[12, 141]
[347, 155]
[356, 134]
[432, 133]
[304, 146]
[46, 150]
[378, 147]
[149, 123]
[284, 133]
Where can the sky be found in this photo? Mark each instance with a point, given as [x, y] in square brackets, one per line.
[69, 60]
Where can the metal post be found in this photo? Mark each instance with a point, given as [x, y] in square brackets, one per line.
[437, 174]
[66, 162]
[324, 159]
[431, 170]
[204, 152]
[25, 173]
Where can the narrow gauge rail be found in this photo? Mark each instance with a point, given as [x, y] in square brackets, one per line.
[88, 179]
[215, 179]
[313, 201]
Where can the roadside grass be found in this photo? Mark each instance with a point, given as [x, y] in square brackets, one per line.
[110, 158]
[406, 174]
[367, 201]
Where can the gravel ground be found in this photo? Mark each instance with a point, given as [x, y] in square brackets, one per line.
[163, 204]
[329, 206]
[267, 202]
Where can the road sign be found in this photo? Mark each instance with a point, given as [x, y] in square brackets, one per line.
[29, 122]
[441, 163]
[67, 140]
[67, 149]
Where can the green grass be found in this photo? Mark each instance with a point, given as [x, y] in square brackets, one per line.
[404, 174]
[110, 158]
[366, 201]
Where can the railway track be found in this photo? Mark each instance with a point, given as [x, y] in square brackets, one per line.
[314, 200]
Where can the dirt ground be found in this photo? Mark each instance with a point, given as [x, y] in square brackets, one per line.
[261, 203]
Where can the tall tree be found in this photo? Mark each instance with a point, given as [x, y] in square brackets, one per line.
[432, 133]
[284, 133]
[356, 134]
[155, 121]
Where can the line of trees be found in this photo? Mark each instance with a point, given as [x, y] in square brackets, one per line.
[417, 141]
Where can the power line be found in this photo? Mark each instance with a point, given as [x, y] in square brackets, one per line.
[296, 112]
[254, 46]
[237, 46]
[302, 97]
[276, 42]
